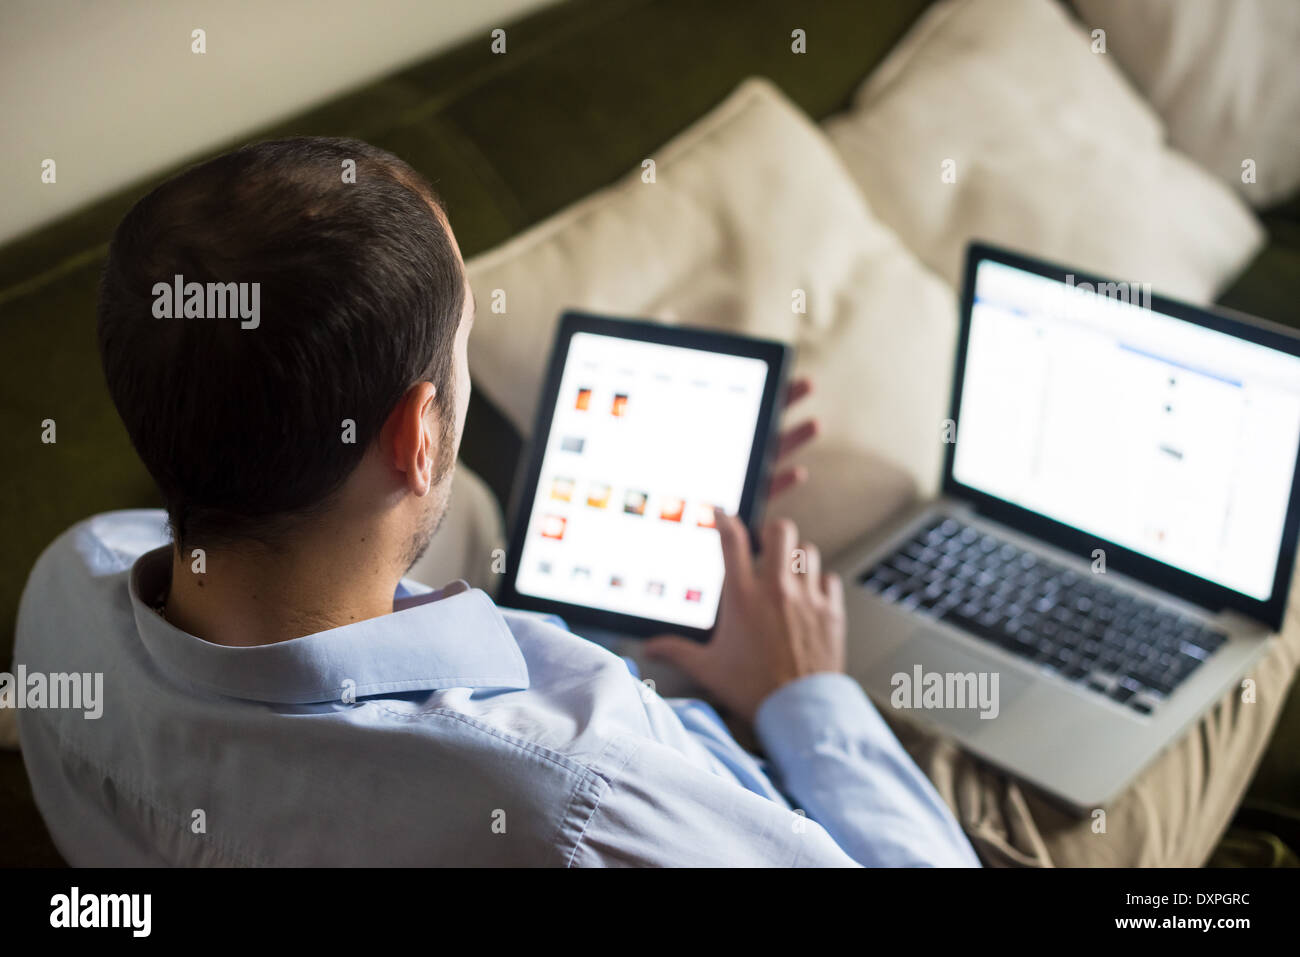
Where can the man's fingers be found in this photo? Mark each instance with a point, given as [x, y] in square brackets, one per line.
[735, 548]
[676, 650]
[794, 439]
[779, 537]
[812, 565]
[798, 389]
[787, 479]
[833, 586]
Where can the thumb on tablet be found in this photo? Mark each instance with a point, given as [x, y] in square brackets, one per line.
[676, 650]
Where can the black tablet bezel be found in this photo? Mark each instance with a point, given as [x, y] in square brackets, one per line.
[1192, 588]
[776, 355]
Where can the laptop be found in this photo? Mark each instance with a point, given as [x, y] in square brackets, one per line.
[1116, 532]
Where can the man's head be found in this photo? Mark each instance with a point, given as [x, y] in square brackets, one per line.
[347, 395]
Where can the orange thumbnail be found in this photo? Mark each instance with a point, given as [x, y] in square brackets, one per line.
[672, 509]
[562, 489]
[598, 495]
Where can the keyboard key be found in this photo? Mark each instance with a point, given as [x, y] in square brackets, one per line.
[1122, 692]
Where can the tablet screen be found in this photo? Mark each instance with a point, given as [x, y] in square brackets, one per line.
[645, 439]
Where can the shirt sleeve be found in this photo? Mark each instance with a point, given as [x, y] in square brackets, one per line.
[839, 762]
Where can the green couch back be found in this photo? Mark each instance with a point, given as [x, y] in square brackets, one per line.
[583, 93]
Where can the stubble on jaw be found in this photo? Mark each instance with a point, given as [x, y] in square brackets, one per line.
[421, 536]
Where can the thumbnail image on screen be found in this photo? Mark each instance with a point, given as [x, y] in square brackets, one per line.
[646, 439]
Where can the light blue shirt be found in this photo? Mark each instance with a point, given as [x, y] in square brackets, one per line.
[450, 732]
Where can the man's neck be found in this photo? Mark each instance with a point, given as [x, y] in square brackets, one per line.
[243, 597]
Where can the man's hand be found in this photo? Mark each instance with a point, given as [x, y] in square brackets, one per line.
[778, 621]
[792, 440]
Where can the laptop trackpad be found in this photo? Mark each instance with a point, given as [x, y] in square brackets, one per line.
[935, 676]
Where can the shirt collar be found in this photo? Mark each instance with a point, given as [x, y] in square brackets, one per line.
[453, 638]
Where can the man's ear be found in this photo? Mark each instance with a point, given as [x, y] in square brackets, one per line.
[411, 433]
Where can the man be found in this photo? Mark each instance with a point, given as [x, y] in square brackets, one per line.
[276, 694]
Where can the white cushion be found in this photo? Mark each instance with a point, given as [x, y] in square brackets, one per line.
[747, 206]
[1223, 76]
[1054, 154]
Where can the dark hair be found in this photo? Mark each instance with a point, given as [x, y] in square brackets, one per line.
[361, 293]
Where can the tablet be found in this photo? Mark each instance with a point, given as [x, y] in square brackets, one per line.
[642, 429]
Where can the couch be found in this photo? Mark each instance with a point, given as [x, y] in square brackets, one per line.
[586, 92]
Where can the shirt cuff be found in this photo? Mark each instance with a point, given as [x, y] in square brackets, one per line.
[820, 709]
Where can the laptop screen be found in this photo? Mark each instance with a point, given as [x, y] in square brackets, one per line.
[1085, 404]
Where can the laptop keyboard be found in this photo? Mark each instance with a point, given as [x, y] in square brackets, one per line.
[1086, 630]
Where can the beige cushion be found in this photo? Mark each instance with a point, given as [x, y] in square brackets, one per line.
[1222, 74]
[1054, 154]
[747, 206]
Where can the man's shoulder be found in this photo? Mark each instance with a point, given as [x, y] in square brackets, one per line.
[86, 564]
[104, 544]
[560, 660]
